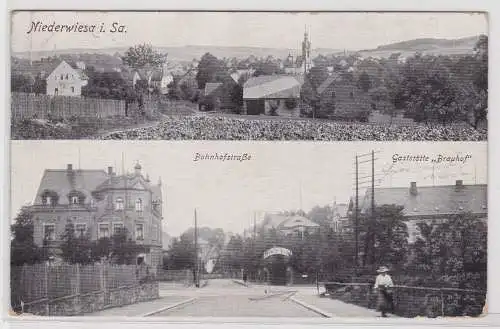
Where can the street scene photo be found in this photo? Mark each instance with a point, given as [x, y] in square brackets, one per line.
[248, 230]
[330, 76]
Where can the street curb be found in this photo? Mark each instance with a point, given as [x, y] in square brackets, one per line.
[241, 283]
[311, 308]
[169, 307]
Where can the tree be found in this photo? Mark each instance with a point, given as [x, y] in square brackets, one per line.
[210, 69]
[427, 90]
[309, 98]
[123, 249]
[385, 236]
[364, 82]
[181, 254]
[21, 83]
[142, 56]
[75, 250]
[22, 247]
[317, 75]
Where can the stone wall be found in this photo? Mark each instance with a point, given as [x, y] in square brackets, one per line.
[95, 301]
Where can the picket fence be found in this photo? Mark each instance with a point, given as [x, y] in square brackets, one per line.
[31, 106]
[32, 283]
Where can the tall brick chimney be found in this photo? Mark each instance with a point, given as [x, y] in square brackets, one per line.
[459, 184]
[413, 188]
[69, 167]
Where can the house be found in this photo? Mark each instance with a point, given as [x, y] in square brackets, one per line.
[341, 98]
[429, 204]
[272, 95]
[219, 95]
[289, 225]
[160, 80]
[340, 217]
[99, 204]
[62, 78]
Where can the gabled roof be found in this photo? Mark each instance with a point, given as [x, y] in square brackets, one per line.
[272, 87]
[432, 200]
[297, 221]
[63, 182]
[211, 88]
[325, 84]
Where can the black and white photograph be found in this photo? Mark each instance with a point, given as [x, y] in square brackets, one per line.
[295, 76]
[242, 230]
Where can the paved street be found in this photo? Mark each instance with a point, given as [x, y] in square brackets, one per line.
[228, 298]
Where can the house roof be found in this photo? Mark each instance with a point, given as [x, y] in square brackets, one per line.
[280, 221]
[211, 88]
[325, 84]
[272, 87]
[297, 221]
[63, 182]
[432, 200]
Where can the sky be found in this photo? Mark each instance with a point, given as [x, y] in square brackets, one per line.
[352, 31]
[279, 176]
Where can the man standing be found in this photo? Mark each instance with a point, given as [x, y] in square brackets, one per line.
[384, 285]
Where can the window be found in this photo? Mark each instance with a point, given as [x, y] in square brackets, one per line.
[117, 228]
[119, 204]
[139, 231]
[66, 76]
[62, 77]
[351, 94]
[92, 203]
[103, 231]
[138, 205]
[80, 230]
[56, 91]
[72, 89]
[49, 232]
[74, 199]
[47, 200]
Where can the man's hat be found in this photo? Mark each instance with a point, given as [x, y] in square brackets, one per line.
[382, 269]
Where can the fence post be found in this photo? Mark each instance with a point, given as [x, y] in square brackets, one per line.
[46, 279]
[442, 302]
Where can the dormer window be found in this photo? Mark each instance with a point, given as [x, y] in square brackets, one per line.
[119, 204]
[74, 199]
[49, 198]
[138, 205]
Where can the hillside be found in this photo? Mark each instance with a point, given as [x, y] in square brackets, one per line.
[425, 45]
[188, 53]
[178, 54]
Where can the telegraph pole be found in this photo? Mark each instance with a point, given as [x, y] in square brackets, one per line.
[373, 183]
[356, 219]
[196, 282]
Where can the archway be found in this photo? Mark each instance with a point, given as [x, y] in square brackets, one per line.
[276, 266]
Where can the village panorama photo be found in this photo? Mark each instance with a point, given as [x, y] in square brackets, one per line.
[329, 76]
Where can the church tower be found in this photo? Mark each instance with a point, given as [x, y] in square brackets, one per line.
[306, 52]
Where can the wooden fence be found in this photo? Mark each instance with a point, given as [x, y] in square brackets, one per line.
[32, 283]
[31, 106]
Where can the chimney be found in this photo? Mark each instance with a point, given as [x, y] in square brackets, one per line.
[110, 171]
[413, 188]
[459, 184]
[69, 167]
